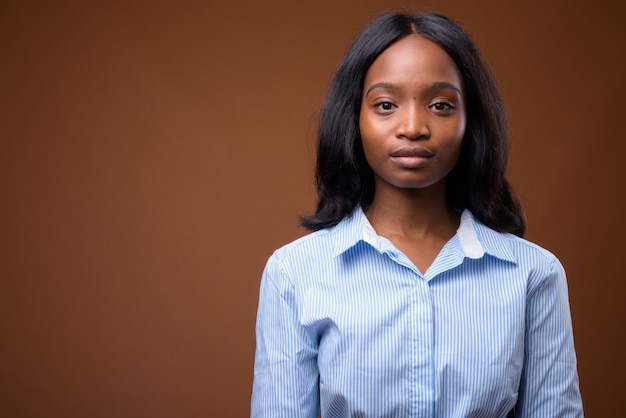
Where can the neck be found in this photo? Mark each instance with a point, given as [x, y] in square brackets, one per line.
[412, 213]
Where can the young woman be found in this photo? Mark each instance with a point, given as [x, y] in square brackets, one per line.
[415, 296]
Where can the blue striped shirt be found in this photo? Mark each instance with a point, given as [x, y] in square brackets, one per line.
[347, 326]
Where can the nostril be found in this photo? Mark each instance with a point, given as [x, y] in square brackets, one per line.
[414, 129]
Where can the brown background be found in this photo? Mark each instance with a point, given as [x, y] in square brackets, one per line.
[154, 154]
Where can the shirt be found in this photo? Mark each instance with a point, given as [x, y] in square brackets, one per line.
[347, 326]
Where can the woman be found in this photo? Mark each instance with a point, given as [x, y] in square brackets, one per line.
[415, 296]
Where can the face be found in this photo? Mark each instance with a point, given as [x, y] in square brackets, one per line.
[412, 116]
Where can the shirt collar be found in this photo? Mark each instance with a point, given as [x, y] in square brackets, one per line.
[353, 229]
[475, 239]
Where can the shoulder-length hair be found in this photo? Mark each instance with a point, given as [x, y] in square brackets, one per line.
[477, 182]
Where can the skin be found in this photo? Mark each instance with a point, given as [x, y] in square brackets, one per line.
[412, 122]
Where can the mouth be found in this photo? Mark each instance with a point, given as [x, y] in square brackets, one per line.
[411, 157]
[412, 152]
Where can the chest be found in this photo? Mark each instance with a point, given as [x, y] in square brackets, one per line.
[390, 330]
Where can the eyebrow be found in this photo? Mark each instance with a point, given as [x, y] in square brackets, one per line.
[387, 86]
[441, 85]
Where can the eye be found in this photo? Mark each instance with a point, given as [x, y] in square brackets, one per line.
[443, 108]
[385, 106]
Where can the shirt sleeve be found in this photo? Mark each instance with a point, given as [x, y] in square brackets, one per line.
[549, 382]
[285, 366]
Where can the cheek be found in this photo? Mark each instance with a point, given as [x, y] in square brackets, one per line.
[364, 126]
[462, 123]
[369, 151]
[461, 131]
[457, 137]
[374, 135]
[455, 147]
[369, 137]
[372, 126]
[451, 148]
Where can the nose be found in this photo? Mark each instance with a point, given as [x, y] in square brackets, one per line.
[413, 124]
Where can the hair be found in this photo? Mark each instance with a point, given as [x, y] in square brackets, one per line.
[477, 182]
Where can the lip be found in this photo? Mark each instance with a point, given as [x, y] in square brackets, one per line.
[411, 157]
[413, 152]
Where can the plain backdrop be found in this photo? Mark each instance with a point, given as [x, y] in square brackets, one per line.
[153, 154]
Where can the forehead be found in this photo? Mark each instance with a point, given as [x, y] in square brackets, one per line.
[414, 59]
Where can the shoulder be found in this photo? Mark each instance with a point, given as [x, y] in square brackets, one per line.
[325, 244]
[301, 254]
[298, 265]
[525, 248]
[318, 241]
[538, 263]
[503, 243]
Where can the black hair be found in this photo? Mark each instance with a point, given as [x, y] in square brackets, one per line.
[477, 182]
